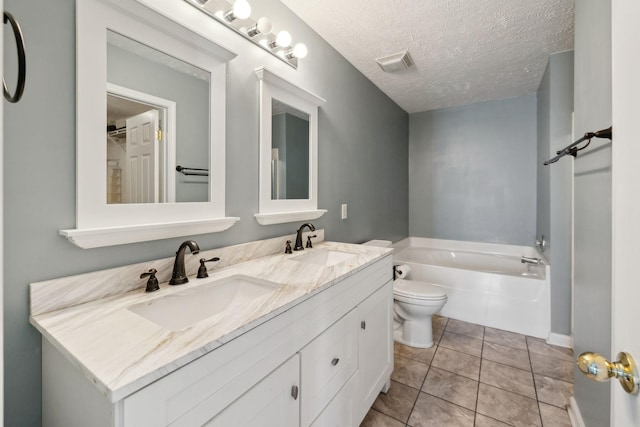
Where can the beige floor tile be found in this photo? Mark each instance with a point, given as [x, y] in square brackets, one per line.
[451, 387]
[507, 378]
[508, 407]
[484, 421]
[550, 367]
[376, 419]
[456, 362]
[437, 335]
[398, 402]
[423, 355]
[554, 417]
[506, 338]
[431, 411]
[506, 355]
[539, 346]
[439, 322]
[462, 343]
[465, 328]
[552, 391]
[409, 372]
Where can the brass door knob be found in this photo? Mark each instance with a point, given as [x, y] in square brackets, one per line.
[595, 367]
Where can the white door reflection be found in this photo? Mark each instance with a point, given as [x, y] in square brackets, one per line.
[135, 152]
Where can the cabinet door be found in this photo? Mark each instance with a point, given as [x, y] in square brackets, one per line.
[340, 412]
[375, 346]
[273, 402]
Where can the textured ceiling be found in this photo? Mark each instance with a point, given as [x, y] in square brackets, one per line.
[465, 51]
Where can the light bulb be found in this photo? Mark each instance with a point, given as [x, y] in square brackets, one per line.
[283, 39]
[300, 51]
[263, 26]
[241, 10]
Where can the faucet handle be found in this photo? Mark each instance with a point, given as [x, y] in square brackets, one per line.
[152, 283]
[287, 249]
[202, 270]
[309, 245]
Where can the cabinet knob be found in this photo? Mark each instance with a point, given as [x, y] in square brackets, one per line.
[335, 361]
[294, 392]
[363, 325]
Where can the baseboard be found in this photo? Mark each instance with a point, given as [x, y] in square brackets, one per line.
[560, 340]
[574, 413]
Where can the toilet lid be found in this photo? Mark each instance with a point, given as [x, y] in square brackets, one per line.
[417, 290]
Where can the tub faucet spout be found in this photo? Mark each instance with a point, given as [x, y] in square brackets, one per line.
[530, 260]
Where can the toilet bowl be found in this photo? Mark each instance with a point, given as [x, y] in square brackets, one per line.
[414, 305]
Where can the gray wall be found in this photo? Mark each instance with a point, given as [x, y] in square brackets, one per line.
[472, 172]
[543, 196]
[290, 134]
[297, 157]
[554, 220]
[592, 206]
[362, 156]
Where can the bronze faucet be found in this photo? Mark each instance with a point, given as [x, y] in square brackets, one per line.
[179, 276]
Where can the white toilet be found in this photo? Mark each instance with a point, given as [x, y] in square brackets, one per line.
[414, 304]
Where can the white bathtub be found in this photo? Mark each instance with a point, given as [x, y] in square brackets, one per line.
[485, 283]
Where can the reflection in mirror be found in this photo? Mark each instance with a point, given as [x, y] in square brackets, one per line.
[134, 152]
[289, 152]
[157, 119]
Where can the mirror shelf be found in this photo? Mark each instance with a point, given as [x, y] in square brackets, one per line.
[111, 236]
[282, 217]
[103, 220]
[288, 187]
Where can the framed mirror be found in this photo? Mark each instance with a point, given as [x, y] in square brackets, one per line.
[288, 151]
[150, 127]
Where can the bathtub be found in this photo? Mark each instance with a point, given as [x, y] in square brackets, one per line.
[485, 283]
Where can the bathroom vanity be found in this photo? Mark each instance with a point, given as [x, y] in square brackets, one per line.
[314, 351]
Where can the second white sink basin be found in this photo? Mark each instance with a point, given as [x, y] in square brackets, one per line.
[185, 308]
[325, 257]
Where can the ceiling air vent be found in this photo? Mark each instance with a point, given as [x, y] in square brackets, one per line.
[396, 62]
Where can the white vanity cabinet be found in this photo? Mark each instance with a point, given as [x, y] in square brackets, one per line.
[321, 362]
[352, 388]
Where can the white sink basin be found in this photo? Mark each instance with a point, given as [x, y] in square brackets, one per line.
[183, 309]
[325, 257]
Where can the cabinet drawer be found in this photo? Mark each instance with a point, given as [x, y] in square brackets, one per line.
[327, 363]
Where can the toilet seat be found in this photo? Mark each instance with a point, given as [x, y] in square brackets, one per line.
[417, 290]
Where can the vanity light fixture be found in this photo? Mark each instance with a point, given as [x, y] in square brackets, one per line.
[263, 26]
[241, 10]
[236, 15]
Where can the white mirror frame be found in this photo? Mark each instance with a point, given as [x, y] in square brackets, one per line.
[101, 224]
[290, 210]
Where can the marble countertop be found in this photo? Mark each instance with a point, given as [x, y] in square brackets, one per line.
[121, 352]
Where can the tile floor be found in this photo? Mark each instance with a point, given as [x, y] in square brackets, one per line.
[476, 376]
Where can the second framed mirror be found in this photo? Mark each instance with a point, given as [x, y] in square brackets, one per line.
[288, 151]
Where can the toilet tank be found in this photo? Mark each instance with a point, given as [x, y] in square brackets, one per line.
[379, 243]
